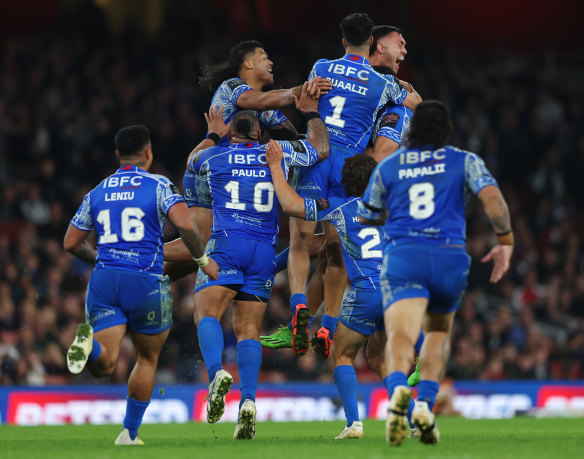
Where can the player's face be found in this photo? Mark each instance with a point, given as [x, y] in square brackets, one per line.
[393, 50]
[263, 66]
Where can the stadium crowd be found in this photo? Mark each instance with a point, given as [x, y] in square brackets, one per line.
[62, 100]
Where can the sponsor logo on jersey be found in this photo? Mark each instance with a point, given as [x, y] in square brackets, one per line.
[322, 204]
[234, 83]
[390, 120]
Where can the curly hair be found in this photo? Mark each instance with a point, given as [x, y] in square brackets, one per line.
[356, 172]
[430, 125]
[214, 75]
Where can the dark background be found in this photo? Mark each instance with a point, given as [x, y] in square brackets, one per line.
[73, 72]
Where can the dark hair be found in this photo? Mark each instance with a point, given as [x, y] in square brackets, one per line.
[214, 75]
[356, 28]
[383, 69]
[379, 32]
[244, 124]
[430, 125]
[131, 140]
[356, 172]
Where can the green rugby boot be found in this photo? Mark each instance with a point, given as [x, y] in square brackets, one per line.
[414, 378]
[279, 340]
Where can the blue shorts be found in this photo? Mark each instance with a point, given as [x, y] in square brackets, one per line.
[115, 297]
[247, 264]
[424, 271]
[324, 178]
[362, 311]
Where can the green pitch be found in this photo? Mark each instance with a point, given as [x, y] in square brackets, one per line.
[461, 438]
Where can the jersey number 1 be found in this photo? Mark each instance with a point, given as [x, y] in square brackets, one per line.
[338, 102]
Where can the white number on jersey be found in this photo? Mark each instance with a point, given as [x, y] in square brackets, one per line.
[421, 200]
[132, 225]
[338, 102]
[233, 188]
[366, 251]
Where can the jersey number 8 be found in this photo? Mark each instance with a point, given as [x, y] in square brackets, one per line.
[421, 200]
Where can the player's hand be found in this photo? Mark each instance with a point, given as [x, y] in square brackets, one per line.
[274, 153]
[407, 86]
[211, 270]
[501, 257]
[306, 103]
[319, 87]
[215, 121]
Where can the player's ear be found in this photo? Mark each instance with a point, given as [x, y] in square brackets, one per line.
[228, 132]
[370, 41]
[344, 43]
[117, 154]
[248, 64]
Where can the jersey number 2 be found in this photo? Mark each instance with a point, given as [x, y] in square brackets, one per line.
[366, 251]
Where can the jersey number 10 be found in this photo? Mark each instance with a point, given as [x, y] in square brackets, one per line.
[233, 189]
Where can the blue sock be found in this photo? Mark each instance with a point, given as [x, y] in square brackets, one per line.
[418, 345]
[95, 352]
[249, 361]
[346, 381]
[295, 300]
[282, 260]
[210, 337]
[330, 323]
[397, 378]
[309, 323]
[134, 413]
[427, 391]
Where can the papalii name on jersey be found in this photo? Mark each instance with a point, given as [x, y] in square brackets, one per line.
[421, 171]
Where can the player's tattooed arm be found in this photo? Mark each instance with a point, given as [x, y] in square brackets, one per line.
[317, 135]
[76, 245]
[498, 213]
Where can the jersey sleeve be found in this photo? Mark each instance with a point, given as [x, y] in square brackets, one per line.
[271, 118]
[167, 195]
[313, 72]
[318, 210]
[299, 153]
[476, 174]
[372, 205]
[390, 123]
[237, 87]
[83, 219]
[393, 91]
[197, 192]
[197, 164]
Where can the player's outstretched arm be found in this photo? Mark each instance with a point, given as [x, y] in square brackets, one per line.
[189, 233]
[498, 213]
[292, 204]
[316, 131]
[216, 128]
[382, 148]
[277, 98]
[412, 100]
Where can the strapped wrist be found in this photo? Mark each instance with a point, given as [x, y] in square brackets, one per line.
[202, 261]
[311, 115]
[506, 238]
[214, 137]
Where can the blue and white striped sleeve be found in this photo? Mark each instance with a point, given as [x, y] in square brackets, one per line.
[299, 153]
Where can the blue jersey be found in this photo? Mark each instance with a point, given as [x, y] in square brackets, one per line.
[227, 94]
[196, 190]
[361, 244]
[349, 110]
[244, 202]
[424, 191]
[393, 122]
[128, 211]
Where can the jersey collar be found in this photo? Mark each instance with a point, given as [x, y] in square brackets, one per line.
[357, 59]
[130, 168]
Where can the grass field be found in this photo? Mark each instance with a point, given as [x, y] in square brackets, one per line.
[461, 438]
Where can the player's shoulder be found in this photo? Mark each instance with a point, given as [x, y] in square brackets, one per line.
[324, 61]
[161, 179]
[233, 83]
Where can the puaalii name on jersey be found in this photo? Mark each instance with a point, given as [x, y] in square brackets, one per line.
[348, 86]
[422, 171]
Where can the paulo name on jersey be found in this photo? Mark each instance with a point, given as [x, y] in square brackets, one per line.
[128, 211]
[244, 202]
[349, 110]
[393, 122]
[226, 96]
[424, 191]
[362, 245]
